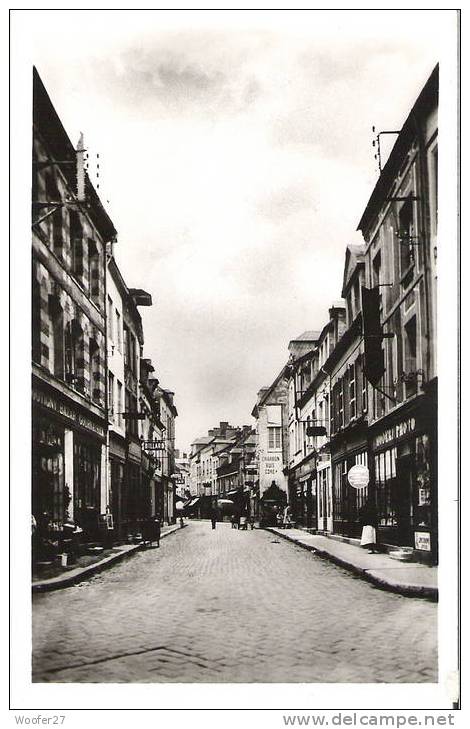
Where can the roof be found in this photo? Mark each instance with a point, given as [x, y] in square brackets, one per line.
[51, 129]
[309, 336]
[267, 391]
[425, 102]
[354, 257]
[203, 440]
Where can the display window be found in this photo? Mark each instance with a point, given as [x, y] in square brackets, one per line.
[50, 498]
[347, 501]
[403, 488]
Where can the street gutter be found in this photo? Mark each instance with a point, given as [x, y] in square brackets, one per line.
[385, 576]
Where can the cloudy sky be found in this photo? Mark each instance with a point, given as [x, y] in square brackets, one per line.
[235, 161]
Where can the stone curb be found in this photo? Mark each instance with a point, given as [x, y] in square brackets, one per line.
[82, 573]
[403, 588]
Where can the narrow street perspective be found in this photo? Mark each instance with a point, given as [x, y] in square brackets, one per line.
[228, 605]
[234, 360]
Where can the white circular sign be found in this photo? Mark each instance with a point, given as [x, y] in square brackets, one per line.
[358, 476]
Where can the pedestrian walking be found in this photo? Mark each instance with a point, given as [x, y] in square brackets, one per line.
[213, 518]
[368, 521]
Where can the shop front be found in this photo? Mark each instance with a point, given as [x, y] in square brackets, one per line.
[117, 461]
[348, 449]
[303, 493]
[324, 495]
[68, 457]
[404, 449]
[50, 495]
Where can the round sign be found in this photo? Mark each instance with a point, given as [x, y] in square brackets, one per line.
[358, 476]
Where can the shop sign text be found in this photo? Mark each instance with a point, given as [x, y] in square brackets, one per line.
[397, 431]
[423, 541]
[65, 410]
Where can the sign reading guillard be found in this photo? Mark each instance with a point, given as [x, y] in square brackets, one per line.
[394, 432]
[61, 408]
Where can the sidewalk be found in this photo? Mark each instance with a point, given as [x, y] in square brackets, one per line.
[411, 579]
[77, 573]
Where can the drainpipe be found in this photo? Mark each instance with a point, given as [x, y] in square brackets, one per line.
[106, 375]
[424, 233]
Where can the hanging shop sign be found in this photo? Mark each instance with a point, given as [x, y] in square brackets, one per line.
[358, 476]
[153, 445]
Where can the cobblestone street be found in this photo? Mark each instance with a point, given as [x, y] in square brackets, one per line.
[231, 606]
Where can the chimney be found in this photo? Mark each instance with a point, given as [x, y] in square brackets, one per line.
[80, 153]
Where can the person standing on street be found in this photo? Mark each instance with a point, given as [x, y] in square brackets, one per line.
[368, 521]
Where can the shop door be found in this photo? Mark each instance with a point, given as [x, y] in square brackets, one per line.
[326, 521]
[329, 501]
[403, 499]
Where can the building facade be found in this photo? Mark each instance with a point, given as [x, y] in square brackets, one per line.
[348, 432]
[117, 447]
[70, 232]
[272, 433]
[399, 225]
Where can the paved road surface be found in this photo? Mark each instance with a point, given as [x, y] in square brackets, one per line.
[231, 606]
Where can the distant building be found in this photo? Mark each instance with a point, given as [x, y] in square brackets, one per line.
[237, 470]
[152, 437]
[116, 295]
[301, 460]
[134, 499]
[205, 460]
[168, 415]
[271, 414]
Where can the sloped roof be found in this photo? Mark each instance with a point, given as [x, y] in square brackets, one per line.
[354, 257]
[266, 391]
[309, 336]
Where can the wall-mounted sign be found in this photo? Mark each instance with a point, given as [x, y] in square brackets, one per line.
[423, 541]
[358, 476]
[395, 432]
[61, 408]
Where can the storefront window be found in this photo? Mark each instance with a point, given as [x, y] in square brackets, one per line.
[48, 475]
[403, 485]
[386, 487]
[423, 483]
[347, 501]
